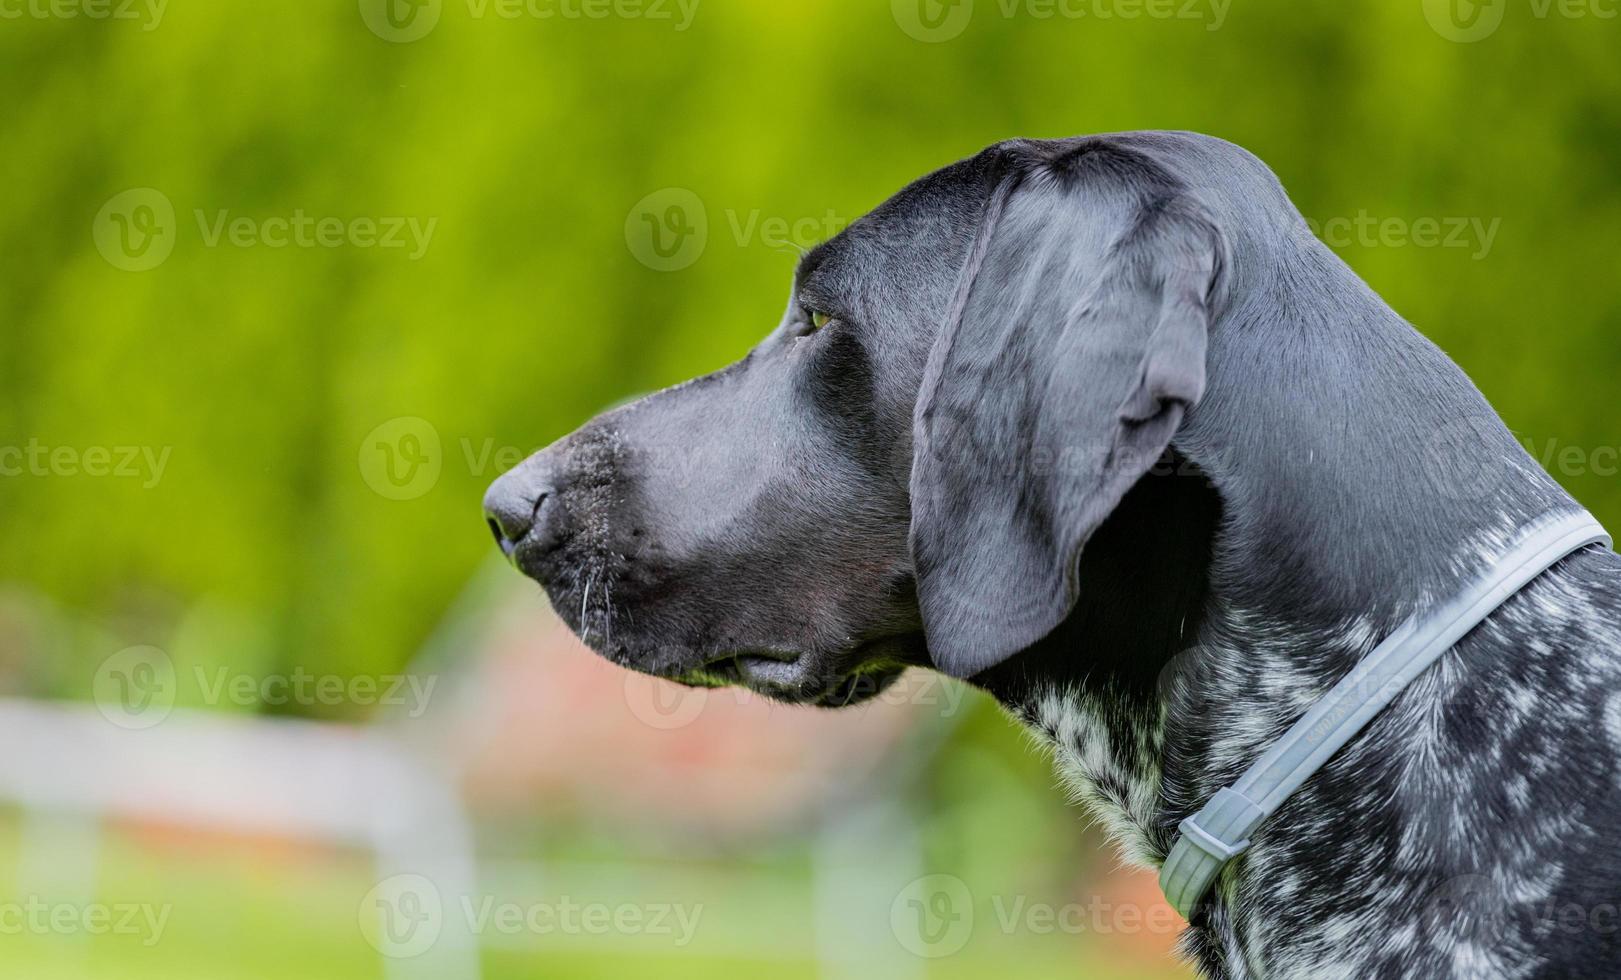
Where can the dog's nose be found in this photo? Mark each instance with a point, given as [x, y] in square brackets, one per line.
[522, 506]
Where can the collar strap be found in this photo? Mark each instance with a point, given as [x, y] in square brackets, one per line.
[1220, 832]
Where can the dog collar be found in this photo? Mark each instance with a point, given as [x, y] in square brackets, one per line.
[1220, 832]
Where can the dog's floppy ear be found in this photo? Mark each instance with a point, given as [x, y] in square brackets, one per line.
[1076, 342]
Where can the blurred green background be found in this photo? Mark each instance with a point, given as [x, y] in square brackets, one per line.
[486, 279]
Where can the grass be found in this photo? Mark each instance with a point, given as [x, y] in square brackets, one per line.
[268, 910]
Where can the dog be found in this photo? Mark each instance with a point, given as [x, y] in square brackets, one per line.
[1099, 426]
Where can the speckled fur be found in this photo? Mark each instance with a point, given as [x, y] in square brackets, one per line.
[1460, 835]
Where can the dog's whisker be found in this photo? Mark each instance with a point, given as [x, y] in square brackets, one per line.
[585, 600]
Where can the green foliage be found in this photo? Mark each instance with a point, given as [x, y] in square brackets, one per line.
[529, 140]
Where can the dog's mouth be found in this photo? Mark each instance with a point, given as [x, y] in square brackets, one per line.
[786, 678]
[594, 598]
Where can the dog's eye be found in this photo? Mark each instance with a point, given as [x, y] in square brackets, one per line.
[811, 320]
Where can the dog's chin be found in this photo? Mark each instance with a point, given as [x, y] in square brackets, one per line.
[821, 679]
[796, 682]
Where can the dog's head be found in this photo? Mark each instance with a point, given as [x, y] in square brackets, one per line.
[904, 471]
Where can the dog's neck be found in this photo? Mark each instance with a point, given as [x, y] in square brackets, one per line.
[1214, 610]
[1160, 689]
